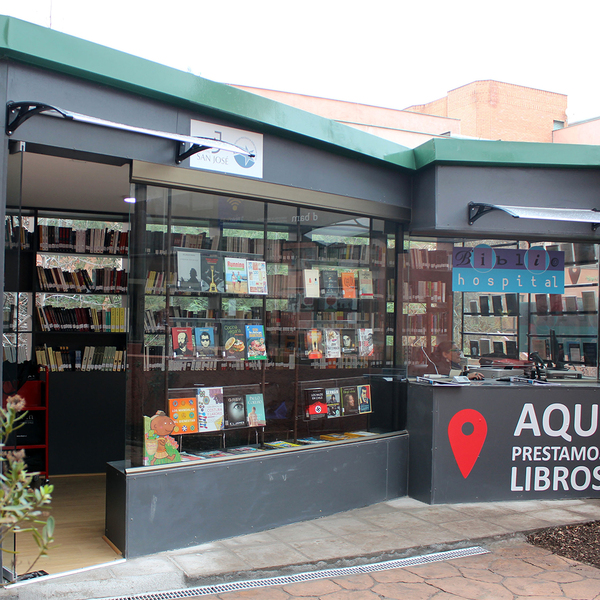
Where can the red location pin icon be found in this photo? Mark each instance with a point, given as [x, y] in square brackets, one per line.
[466, 431]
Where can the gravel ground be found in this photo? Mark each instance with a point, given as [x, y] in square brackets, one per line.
[577, 542]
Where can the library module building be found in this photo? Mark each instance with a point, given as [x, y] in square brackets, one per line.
[210, 295]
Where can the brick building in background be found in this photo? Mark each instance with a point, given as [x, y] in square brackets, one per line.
[490, 110]
[494, 110]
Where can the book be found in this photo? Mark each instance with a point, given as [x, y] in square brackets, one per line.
[485, 344]
[365, 283]
[349, 342]
[233, 339]
[473, 307]
[245, 450]
[512, 304]
[332, 398]
[348, 279]
[541, 304]
[556, 303]
[574, 350]
[315, 406]
[212, 277]
[210, 409]
[329, 283]
[281, 445]
[364, 398]
[349, 400]
[188, 270]
[255, 410]
[584, 253]
[255, 342]
[234, 408]
[511, 349]
[236, 275]
[183, 411]
[590, 353]
[332, 343]
[183, 344]
[314, 343]
[497, 305]
[474, 345]
[498, 347]
[257, 277]
[206, 341]
[311, 283]
[365, 342]
[571, 304]
[588, 300]
[484, 305]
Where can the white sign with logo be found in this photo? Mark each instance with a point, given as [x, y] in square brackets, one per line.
[228, 162]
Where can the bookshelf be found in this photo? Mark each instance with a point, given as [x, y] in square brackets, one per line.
[564, 328]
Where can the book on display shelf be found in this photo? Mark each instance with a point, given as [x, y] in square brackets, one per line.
[364, 398]
[349, 342]
[332, 397]
[497, 305]
[255, 342]
[315, 406]
[233, 340]
[365, 283]
[329, 283]
[188, 270]
[183, 411]
[332, 344]
[210, 409]
[257, 277]
[348, 279]
[255, 410]
[236, 275]
[206, 341]
[212, 278]
[365, 342]
[349, 400]
[183, 342]
[311, 283]
[234, 409]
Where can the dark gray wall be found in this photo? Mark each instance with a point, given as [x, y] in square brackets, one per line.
[190, 505]
[442, 195]
[285, 162]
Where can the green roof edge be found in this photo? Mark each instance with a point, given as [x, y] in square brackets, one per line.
[60, 52]
[498, 153]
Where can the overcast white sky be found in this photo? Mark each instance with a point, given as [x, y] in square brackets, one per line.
[390, 53]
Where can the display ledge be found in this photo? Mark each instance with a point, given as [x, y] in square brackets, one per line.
[503, 314]
[564, 312]
[258, 455]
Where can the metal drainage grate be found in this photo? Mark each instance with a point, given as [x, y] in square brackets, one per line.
[285, 579]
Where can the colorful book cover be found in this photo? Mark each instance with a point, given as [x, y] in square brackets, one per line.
[245, 450]
[188, 270]
[349, 342]
[212, 278]
[210, 409]
[330, 287]
[332, 397]
[233, 339]
[213, 454]
[255, 342]
[183, 342]
[311, 283]
[206, 341]
[255, 410]
[365, 283]
[184, 415]
[159, 447]
[365, 342]
[257, 277]
[333, 347]
[314, 343]
[364, 398]
[348, 284]
[234, 410]
[280, 445]
[236, 276]
[315, 406]
[349, 400]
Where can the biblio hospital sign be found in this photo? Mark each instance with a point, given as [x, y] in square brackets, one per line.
[485, 269]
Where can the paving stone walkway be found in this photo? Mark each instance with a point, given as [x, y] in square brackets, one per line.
[389, 530]
[513, 570]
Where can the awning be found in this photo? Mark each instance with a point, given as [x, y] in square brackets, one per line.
[580, 215]
[18, 112]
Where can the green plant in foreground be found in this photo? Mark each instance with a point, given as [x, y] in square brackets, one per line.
[21, 504]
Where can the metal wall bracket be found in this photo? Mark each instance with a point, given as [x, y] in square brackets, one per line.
[477, 210]
[18, 112]
[182, 153]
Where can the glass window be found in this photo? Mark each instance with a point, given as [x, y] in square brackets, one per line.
[260, 327]
[503, 308]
